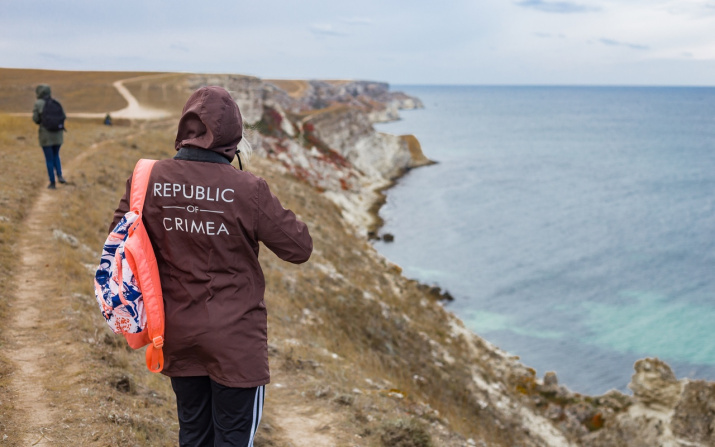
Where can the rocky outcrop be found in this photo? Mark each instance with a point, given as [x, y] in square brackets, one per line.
[349, 132]
[417, 156]
[246, 90]
[663, 411]
[694, 417]
[655, 385]
[373, 98]
[325, 136]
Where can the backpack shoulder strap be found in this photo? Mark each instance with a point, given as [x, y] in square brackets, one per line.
[140, 182]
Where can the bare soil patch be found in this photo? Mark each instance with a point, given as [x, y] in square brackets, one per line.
[308, 426]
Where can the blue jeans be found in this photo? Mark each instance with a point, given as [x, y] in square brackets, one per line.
[52, 159]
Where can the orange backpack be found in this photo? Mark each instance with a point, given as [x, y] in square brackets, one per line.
[126, 284]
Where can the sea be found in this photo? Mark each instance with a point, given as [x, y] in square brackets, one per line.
[574, 226]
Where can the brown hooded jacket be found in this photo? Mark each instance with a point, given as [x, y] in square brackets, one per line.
[205, 219]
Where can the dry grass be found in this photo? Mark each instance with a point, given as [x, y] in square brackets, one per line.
[167, 92]
[334, 111]
[295, 88]
[78, 91]
[349, 336]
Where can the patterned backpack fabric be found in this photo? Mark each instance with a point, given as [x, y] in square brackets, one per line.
[126, 283]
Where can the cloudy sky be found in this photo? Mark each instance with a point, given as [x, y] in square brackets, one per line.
[583, 42]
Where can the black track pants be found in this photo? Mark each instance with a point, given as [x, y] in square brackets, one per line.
[211, 414]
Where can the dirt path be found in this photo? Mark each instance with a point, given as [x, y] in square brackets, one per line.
[308, 427]
[26, 332]
[133, 110]
[27, 346]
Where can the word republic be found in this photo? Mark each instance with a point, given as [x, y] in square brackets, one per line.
[197, 192]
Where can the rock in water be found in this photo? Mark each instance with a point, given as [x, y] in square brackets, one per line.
[654, 383]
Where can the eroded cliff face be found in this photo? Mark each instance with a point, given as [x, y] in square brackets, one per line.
[246, 90]
[349, 131]
[322, 133]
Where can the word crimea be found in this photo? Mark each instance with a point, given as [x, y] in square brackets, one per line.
[192, 226]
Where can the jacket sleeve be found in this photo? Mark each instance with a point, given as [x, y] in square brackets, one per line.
[37, 111]
[280, 230]
[123, 207]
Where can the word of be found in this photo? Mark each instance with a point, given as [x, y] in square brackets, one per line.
[193, 209]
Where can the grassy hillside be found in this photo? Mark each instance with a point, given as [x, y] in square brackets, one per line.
[161, 91]
[90, 92]
[295, 88]
[359, 355]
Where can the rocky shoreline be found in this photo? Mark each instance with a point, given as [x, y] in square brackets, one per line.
[322, 133]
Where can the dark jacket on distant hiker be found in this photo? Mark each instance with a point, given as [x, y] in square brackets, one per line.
[205, 219]
[47, 138]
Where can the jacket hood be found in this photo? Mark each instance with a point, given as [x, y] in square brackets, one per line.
[42, 91]
[210, 120]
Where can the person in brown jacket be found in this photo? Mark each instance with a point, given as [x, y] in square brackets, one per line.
[205, 219]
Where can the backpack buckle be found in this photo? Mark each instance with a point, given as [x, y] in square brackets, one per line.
[158, 341]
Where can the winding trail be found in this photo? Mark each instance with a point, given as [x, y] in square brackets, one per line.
[28, 345]
[133, 110]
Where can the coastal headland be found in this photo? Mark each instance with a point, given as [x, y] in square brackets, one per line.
[359, 354]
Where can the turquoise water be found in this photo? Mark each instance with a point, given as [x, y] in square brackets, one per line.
[574, 226]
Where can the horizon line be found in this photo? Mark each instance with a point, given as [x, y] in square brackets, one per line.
[391, 84]
[565, 85]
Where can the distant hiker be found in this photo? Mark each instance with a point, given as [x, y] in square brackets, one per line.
[48, 113]
[107, 120]
[205, 219]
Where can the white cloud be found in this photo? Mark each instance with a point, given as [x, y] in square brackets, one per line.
[615, 43]
[357, 21]
[557, 7]
[461, 41]
[325, 29]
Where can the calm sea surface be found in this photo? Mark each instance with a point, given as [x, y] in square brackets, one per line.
[574, 226]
